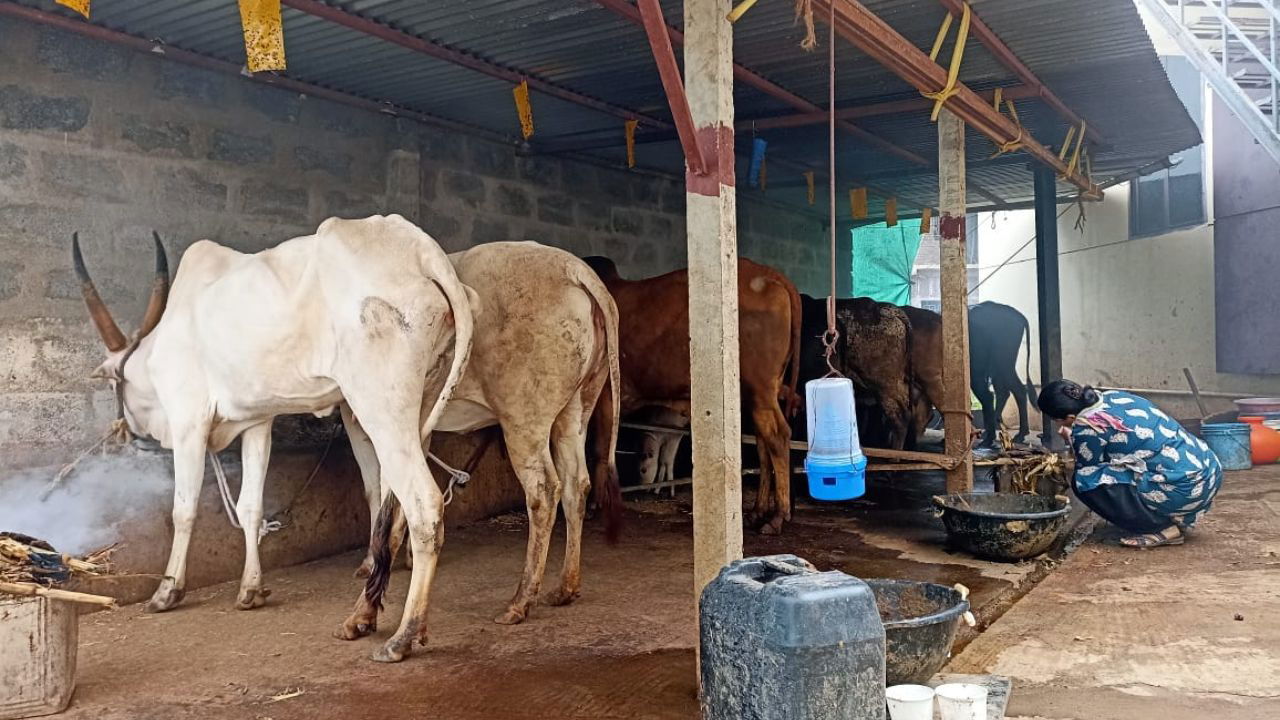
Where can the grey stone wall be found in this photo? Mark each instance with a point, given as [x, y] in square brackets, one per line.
[113, 143]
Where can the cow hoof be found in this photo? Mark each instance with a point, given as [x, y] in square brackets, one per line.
[252, 598]
[352, 629]
[365, 569]
[773, 527]
[387, 654]
[166, 598]
[510, 617]
[561, 597]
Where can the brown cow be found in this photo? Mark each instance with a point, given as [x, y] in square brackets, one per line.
[653, 330]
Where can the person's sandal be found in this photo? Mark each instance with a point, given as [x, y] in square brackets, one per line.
[1151, 540]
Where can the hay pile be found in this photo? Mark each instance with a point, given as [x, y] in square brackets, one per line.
[29, 566]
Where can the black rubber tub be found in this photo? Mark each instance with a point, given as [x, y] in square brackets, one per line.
[1003, 526]
[920, 622]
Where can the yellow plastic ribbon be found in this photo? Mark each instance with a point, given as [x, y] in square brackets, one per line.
[858, 203]
[80, 6]
[741, 9]
[1066, 144]
[631, 141]
[926, 217]
[263, 34]
[1075, 155]
[524, 109]
[1016, 142]
[891, 212]
[957, 55]
[808, 178]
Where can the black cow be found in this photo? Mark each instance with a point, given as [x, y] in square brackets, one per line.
[996, 334]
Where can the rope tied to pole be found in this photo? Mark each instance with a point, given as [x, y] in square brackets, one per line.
[957, 56]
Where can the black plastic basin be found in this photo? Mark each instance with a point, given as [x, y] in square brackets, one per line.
[1003, 526]
[920, 622]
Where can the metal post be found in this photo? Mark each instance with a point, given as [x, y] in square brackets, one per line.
[1049, 301]
[955, 293]
[713, 295]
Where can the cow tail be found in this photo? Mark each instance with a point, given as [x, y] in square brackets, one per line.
[912, 431]
[463, 328]
[1026, 334]
[793, 358]
[605, 415]
[380, 548]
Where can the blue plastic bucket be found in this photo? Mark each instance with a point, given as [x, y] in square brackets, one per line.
[833, 481]
[1230, 442]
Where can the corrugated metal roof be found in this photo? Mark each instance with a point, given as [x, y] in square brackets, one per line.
[1094, 54]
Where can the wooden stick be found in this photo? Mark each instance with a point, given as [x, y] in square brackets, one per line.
[1195, 391]
[33, 590]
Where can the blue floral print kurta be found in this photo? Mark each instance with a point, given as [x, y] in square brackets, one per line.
[1124, 439]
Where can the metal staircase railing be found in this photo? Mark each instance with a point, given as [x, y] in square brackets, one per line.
[1233, 45]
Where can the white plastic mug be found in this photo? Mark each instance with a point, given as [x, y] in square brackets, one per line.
[962, 701]
[910, 702]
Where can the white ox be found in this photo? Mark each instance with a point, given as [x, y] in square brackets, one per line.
[545, 349]
[362, 311]
[658, 449]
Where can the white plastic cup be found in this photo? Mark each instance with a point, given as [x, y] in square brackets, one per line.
[910, 702]
[962, 701]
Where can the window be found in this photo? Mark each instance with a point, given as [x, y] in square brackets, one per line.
[1173, 198]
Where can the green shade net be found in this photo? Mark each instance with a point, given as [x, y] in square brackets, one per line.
[882, 261]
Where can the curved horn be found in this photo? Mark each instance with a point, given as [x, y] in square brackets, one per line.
[159, 290]
[98, 312]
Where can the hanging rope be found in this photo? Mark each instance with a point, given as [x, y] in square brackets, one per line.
[832, 335]
[804, 11]
[957, 55]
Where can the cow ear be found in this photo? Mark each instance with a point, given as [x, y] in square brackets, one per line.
[473, 299]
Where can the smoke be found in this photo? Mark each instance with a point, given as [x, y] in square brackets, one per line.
[92, 506]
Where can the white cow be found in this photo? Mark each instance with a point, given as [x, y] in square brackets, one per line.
[362, 311]
[546, 348]
[658, 449]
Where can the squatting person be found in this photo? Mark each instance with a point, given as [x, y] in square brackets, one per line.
[1135, 466]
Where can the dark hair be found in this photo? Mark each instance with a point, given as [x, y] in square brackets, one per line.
[1061, 398]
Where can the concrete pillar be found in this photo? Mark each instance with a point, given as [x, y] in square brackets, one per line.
[713, 294]
[955, 306]
[1048, 297]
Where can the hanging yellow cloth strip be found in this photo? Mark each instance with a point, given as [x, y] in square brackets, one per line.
[80, 6]
[263, 35]
[524, 109]
[631, 140]
[808, 179]
[891, 212]
[926, 217]
[764, 173]
[736, 14]
[957, 55]
[858, 203]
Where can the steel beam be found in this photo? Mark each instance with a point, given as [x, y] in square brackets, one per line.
[1048, 297]
[672, 85]
[1006, 57]
[858, 25]
[457, 57]
[625, 9]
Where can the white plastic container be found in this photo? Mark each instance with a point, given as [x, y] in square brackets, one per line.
[835, 464]
[37, 656]
[962, 701]
[910, 702]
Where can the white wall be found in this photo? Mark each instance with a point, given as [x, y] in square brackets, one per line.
[1135, 311]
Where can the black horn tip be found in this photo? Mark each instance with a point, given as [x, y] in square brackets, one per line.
[162, 259]
[77, 258]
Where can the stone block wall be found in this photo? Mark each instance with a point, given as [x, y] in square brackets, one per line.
[113, 143]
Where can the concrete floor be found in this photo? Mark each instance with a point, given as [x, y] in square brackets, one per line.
[624, 650]
[1176, 633]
